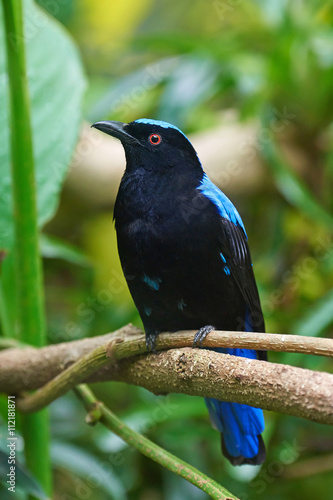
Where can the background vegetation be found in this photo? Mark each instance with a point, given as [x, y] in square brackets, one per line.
[258, 64]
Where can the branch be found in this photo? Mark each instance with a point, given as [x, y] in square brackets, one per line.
[244, 340]
[66, 380]
[286, 389]
[30, 368]
[100, 413]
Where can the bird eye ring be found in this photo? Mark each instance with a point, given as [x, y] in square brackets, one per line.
[155, 139]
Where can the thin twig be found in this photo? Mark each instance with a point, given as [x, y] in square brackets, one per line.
[99, 412]
[244, 340]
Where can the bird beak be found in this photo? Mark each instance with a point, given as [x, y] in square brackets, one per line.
[116, 129]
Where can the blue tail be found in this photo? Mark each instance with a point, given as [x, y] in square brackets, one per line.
[240, 425]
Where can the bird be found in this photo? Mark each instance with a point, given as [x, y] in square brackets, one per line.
[185, 256]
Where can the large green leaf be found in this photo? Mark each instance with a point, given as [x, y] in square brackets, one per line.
[23, 479]
[54, 248]
[317, 318]
[290, 185]
[56, 85]
[96, 473]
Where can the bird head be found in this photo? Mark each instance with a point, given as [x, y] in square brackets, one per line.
[154, 145]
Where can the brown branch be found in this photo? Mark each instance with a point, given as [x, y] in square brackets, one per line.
[66, 380]
[258, 341]
[29, 368]
[281, 388]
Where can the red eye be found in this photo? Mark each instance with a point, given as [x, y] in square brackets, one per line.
[155, 139]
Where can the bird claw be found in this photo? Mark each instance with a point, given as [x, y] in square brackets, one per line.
[151, 342]
[200, 336]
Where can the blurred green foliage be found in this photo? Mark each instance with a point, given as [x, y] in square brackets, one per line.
[56, 87]
[190, 62]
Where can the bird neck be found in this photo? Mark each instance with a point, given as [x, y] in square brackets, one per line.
[147, 194]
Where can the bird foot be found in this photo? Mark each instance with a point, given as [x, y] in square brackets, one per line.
[151, 342]
[200, 336]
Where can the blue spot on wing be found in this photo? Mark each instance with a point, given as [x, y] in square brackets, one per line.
[226, 268]
[224, 206]
[160, 123]
[181, 304]
[147, 310]
[153, 283]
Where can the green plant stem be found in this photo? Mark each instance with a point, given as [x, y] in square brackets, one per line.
[28, 263]
[7, 327]
[7, 302]
[7, 343]
[98, 412]
[66, 380]
[28, 269]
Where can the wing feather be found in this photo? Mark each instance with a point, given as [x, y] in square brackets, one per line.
[235, 248]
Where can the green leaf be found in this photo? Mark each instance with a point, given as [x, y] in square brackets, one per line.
[122, 97]
[96, 473]
[192, 83]
[23, 479]
[54, 248]
[318, 318]
[56, 85]
[291, 186]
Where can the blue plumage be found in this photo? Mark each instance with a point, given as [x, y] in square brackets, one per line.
[184, 253]
[221, 201]
[241, 425]
[147, 310]
[153, 283]
[160, 123]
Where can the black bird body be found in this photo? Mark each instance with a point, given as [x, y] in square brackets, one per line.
[184, 253]
[186, 286]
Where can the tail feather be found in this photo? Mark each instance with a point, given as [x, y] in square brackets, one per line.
[258, 459]
[240, 425]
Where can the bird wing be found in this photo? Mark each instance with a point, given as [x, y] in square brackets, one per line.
[235, 252]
